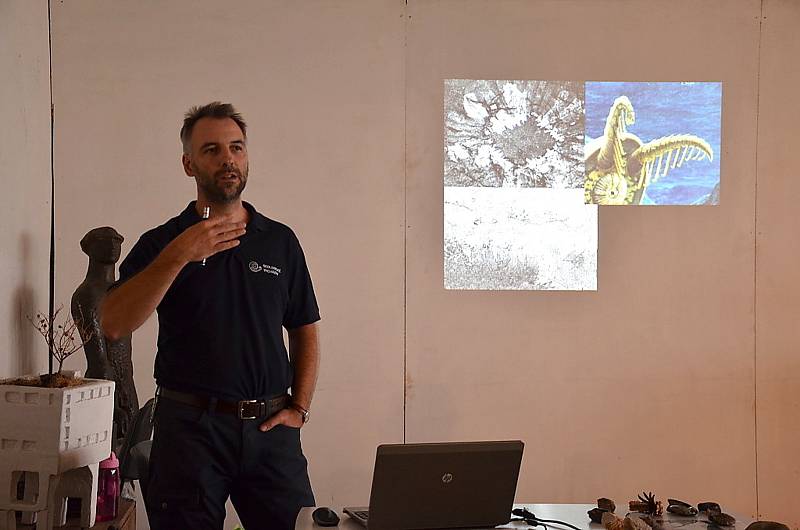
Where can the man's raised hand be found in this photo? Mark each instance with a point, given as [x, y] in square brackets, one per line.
[206, 238]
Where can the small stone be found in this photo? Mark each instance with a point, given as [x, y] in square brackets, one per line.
[721, 519]
[676, 502]
[766, 525]
[596, 515]
[709, 507]
[606, 504]
[679, 509]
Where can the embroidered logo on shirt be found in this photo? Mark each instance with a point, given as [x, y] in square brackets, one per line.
[270, 269]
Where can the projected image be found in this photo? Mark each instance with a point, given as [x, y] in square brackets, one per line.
[520, 134]
[514, 216]
[524, 238]
[652, 143]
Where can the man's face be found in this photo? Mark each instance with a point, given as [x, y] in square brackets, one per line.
[218, 160]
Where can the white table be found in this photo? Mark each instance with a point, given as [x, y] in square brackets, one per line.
[575, 514]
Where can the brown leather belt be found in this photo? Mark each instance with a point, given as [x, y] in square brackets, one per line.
[248, 409]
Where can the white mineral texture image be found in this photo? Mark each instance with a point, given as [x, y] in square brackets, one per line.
[514, 214]
[519, 239]
[519, 134]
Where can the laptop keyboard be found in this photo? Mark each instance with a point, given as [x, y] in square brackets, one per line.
[362, 514]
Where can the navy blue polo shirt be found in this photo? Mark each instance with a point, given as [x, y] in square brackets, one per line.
[220, 325]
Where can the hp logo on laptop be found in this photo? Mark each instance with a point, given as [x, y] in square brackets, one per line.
[447, 478]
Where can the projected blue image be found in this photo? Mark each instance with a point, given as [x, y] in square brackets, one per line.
[652, 143]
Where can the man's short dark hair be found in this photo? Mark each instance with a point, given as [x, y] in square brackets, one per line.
[212, 110]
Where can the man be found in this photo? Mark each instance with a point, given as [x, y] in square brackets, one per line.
[224, 288]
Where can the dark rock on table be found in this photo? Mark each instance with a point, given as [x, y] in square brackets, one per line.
[676, 502]
[766, 525]
[596, 515]
[721, 519]
[679, 509]
[606, 504]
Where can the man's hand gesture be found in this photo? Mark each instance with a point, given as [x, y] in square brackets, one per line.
[206, 238]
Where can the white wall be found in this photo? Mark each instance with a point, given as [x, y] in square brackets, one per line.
[25, 177]
[777, 413]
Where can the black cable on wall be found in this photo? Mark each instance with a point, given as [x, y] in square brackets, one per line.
[51, 294]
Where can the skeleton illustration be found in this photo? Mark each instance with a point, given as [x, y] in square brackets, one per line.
[619, 166]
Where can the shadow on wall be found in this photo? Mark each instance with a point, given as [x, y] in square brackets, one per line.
[22, 359]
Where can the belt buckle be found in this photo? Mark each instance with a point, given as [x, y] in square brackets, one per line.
[241, 409]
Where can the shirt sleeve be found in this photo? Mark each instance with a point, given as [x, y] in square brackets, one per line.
[302, 308]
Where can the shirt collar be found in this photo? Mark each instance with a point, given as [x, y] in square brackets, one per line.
[257, 221]
[189, 216]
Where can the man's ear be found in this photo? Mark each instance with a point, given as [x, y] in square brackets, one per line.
[187, 165]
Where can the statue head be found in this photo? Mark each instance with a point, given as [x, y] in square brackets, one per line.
[102, 244]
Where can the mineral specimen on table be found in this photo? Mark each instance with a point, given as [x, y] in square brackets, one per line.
[766, 525]
[721, 519]
[676, 502]
[679, 509]
[596, 515]
[606, 504]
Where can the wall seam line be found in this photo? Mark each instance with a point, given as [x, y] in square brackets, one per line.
[755, 263]
[405, 215]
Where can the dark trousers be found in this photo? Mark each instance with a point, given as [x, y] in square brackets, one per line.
[200, 458]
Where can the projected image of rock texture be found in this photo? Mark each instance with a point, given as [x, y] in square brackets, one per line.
[670, 157]
[514, 216]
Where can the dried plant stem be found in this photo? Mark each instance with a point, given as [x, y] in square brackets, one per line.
[62, 339]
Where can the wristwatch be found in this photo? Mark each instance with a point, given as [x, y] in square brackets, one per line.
[303, 412]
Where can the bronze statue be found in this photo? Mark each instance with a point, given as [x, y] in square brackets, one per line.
[105, 359]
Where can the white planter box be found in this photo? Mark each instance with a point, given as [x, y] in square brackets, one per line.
[48, 431]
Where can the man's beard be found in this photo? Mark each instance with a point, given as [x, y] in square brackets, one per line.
[220, 191]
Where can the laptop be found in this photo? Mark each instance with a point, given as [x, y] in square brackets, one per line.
[442, 485]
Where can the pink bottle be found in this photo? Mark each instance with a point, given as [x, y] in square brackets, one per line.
[108, 489]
